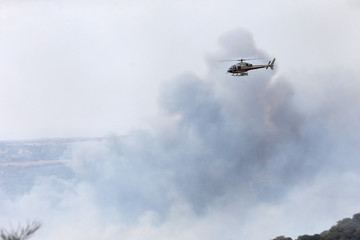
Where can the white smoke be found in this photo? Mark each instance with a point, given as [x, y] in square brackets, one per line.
[229, 158]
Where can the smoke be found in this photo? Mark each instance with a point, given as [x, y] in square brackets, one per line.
[227, 158]
[354, 3]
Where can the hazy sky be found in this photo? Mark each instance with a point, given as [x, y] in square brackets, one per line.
[90, 68]
[208, 156]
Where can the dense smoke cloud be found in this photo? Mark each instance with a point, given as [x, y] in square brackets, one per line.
[219, 145]
[229, 158]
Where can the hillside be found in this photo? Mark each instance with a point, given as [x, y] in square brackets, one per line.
[21, 162]
[346, 229]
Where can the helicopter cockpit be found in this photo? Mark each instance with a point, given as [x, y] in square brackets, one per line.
[232, 68]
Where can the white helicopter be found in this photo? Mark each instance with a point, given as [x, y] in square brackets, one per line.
[242, 68]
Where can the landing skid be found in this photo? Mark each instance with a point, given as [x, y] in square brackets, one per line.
[240, 74]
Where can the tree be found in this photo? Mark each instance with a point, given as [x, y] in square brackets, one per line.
[22, 233]
[282, 238]
[307, 237]
[356, 218]
[345, 229]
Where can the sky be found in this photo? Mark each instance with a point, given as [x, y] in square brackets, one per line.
[93, 68]
[207, 155]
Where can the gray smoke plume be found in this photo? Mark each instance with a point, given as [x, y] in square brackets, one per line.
[228, 158]
[229, 138]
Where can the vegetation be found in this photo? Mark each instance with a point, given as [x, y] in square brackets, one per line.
[346, 229]
[22, 233]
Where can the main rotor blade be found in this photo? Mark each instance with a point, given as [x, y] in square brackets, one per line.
[240, 60]
[252, 58]
[228, 60]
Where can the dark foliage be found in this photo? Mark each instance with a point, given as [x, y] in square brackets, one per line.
[22, 233]
[346, 229]
[282, 238]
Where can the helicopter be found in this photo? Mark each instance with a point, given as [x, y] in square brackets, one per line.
[242, 68]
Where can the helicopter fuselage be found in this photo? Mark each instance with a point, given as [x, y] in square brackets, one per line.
[241, 68]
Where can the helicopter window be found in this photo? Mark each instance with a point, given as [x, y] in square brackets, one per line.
[239, 67]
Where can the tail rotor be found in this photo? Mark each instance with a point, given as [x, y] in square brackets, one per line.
[271, 64]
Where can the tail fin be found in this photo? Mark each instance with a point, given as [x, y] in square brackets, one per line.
[271, 65]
